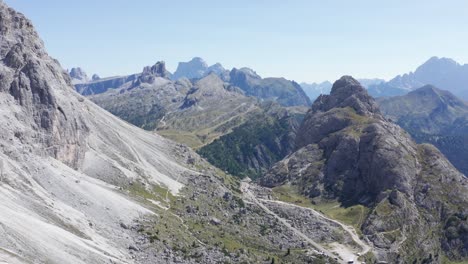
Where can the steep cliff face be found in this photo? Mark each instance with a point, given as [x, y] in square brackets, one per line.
[38, 86]
[347, 151]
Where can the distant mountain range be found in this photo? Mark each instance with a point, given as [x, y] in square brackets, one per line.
[443, 73]
[433, 116]
[285, 92]
[313, 90]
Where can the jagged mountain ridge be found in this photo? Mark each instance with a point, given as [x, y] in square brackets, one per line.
[443, 73]
[433, 116]
[287, 93]
[197, 69]
[347, 151]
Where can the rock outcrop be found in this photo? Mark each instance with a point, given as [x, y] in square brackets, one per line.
[347, 151]
[149, 74]
[100, 85]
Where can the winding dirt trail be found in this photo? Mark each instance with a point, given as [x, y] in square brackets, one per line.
[344, 252]
[350, 230]
[251, 197]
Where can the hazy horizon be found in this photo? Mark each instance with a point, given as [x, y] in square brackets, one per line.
[301, 41]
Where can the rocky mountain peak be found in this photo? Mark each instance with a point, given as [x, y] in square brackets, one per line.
[78, 74]
[436, 62]
[347, 92]
[95, 77]
[149, 74]
[198, 61]
[216, 68]
[345, 151]
[243, 73]
[193, 69]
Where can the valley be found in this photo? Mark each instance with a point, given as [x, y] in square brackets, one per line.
[210, 165]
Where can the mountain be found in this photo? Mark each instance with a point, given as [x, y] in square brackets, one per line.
[211, 115]
[78, 75]
[95, 77]
[368, 82]
[285, 92]
[385, 90]
[79, 185]
[196, 69]
[443, 73]
[193, 113]
[99, 85]
[353, 164]
[433, 116]
[314, 90]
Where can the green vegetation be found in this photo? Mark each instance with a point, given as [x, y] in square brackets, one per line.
[251, 148]
[146, 120]
[352, 215]
[185, 137]
[147, 193]
[446, 260]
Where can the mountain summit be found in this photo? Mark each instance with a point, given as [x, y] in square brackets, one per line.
[78, 75]
[347, 152]
[346, 92]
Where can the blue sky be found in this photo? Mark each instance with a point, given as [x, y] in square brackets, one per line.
[302, 40]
